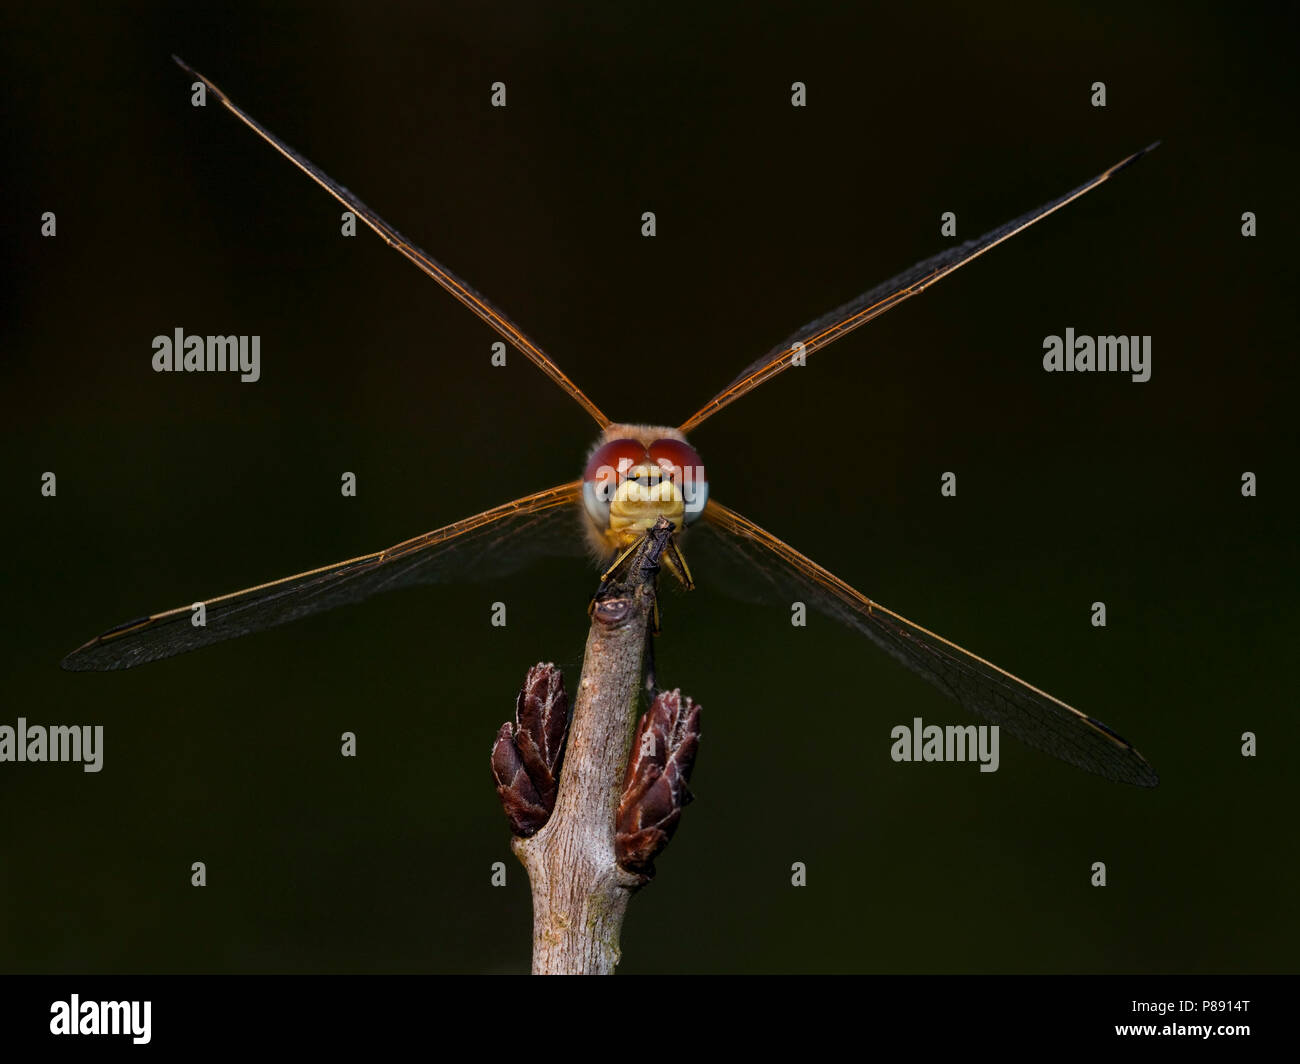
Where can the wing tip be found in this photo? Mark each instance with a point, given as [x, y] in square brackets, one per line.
[1146, 775]
[79, 660]
[1124, 164]
[1142, 775]
[76, 660]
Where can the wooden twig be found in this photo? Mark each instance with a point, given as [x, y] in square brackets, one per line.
[580, 893]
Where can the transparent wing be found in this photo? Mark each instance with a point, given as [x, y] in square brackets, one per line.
[422, 259]
[1032, 716]
[491, 543]
[842, 320]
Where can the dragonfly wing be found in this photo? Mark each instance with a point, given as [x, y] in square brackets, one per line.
[1032, 716]
[491, 543]
[425, 262]
[871, 304]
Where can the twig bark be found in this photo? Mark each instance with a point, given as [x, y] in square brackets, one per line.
[580, 893]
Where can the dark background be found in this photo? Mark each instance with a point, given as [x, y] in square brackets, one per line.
[1071, 488]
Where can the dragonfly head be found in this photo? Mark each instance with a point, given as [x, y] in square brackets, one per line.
[635, 475]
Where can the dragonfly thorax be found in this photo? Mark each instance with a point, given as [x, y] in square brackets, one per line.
[636, 474]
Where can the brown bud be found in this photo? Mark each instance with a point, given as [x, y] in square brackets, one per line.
[655, 787]
[526, 758]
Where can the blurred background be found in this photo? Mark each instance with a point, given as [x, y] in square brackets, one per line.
[1071, 488]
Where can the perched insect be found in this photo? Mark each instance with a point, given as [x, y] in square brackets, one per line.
[635, 474]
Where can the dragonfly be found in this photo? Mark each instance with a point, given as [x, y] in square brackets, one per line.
[635, 474]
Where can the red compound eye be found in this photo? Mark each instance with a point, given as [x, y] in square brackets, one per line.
[680, 460]
[610, 462]
[685, 467]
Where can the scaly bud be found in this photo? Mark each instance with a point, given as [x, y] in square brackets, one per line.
[526, 758]
[655, 787]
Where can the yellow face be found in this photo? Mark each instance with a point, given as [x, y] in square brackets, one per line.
[635, 475]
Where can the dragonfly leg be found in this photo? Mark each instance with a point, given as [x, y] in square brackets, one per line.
[675, 562]
[617, 563]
